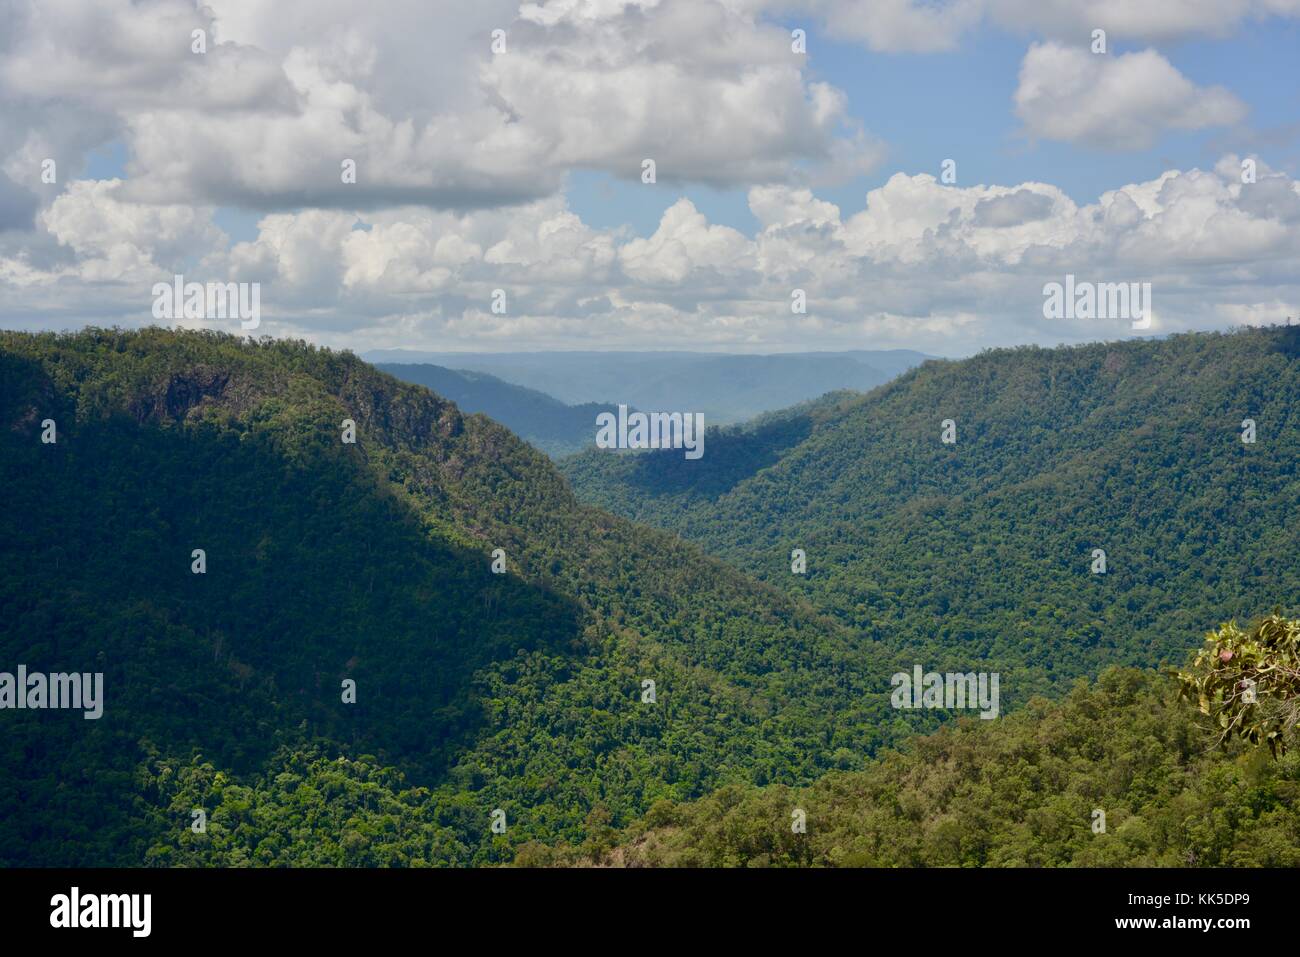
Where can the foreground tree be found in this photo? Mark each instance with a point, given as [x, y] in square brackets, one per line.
[1249, 681]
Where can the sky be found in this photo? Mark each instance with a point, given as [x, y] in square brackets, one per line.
[500, 200]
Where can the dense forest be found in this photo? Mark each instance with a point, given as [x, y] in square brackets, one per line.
[612, 679]
[1135, 769]
[986, 548]
[328, 561]
[1118, 774]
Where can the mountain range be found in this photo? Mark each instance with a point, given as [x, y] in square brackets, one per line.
[341, 622]
[725, 388]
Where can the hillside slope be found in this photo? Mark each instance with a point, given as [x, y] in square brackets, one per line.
[1117, 774]
[984, 549]
[369, 562]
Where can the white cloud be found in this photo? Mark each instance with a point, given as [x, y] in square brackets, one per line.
[685, 243]
[1113, 102]
[416, 97]
[123, 241]
[920, 264]
[781, 206]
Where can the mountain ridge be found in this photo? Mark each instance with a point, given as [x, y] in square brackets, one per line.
[726, 388]
[371, 562]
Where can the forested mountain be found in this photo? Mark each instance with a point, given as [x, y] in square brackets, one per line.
[328, 562]
[1118, 774]
[984, 548]
[725, 388]
[555, 428]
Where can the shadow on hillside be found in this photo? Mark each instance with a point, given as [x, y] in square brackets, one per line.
[1289, 341]
[730, 457]
[314, 574]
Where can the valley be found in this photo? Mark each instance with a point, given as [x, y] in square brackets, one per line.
[516, 682]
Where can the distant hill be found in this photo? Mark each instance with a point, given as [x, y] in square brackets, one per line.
[555, 428]
[726, 388]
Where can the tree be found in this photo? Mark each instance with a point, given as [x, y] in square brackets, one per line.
[1249, 681]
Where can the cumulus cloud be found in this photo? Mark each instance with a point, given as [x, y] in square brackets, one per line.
[710, 95]
[127, 57]
[281, 98]
[919, 264]
[685, 244]
[1113, 102]
[124, 241]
